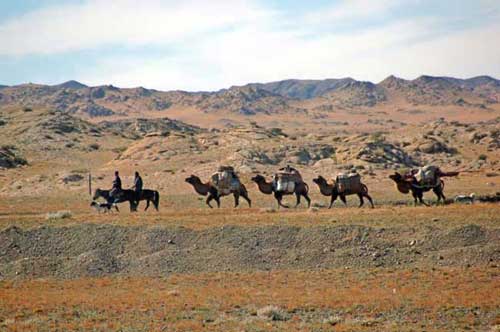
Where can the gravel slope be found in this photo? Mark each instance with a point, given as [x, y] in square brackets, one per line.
[97, 250]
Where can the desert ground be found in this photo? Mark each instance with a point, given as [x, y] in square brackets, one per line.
[186, 267]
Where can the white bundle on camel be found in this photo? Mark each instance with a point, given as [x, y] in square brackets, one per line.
[225, 180]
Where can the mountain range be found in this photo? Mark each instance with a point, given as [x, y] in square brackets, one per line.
[313, 99]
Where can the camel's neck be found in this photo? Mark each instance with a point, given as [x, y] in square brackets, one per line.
[201, 188]
[265, 187]
[326, 189]
[403, 187]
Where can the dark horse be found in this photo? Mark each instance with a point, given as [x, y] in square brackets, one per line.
[149, 195]
[130, 195]
[124, 196]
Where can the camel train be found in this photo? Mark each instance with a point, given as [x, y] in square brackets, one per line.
[288, 181]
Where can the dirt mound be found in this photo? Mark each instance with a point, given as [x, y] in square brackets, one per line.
[95, 250]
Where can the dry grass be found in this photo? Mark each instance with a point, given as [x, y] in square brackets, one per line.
[389, 300]
[31, 212]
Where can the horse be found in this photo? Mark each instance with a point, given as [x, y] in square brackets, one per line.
[124, 196]
[149, 195]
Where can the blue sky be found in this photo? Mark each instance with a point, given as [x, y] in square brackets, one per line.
[207, 45]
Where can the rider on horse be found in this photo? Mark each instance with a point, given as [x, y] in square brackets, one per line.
[116, 189]
[137, 185]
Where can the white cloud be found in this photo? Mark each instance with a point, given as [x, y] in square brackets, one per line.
[216, 44]
[258, 54]
[126, 22]
[349, 10]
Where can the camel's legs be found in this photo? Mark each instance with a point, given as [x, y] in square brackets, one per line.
[369, 199]
[342, 197]
[414, 198]
[334, 197]
[361, 200]
[298, 199]
[217, 199]
[236, 199]
[421, 199]
[245, 196]
[307, 199]
[440, 195]
[279, 197]
[209, 198]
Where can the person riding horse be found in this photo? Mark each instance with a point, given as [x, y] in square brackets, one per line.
[116, 188]
[138, 185]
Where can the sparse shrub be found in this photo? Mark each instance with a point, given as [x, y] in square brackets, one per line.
[272, 312]
[94, 146]
[378, 137]
[119, 149]
[27, 109]
[268, 210]
[64, 214]
[482, 157]
[332, 320]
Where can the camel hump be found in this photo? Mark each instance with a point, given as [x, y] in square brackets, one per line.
[349, 183]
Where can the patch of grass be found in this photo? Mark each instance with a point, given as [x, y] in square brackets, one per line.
[64, 214]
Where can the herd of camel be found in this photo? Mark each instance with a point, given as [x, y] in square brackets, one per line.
[403, 183]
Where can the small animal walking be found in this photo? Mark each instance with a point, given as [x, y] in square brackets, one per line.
[466, 199]
[103, 207]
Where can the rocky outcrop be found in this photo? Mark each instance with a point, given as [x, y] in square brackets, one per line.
[10, 158]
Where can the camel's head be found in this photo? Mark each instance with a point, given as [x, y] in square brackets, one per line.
[319, 180]
[258, 178]
[192, 179]
[396, 177]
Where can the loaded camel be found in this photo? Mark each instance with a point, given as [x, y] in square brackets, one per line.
[406, 183]
[210, 189]
[268, 188]
[332, 190]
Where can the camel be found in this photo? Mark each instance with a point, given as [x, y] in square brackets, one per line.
[331, 190]
[406, 184]
[209, 189]
[301, 189]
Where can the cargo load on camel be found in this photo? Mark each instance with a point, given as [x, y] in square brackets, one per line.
[226, 180]
[286, 179]
[349, 183]
[430, 175]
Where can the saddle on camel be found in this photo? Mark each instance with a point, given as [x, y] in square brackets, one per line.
[286, 179]
[349, 183]
[225, 180]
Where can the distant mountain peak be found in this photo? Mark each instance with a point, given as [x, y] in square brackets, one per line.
[72, 84]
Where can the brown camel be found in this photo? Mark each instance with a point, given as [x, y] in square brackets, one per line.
[405, 184]
[331, 190]
[209, 189]
[301, 189]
